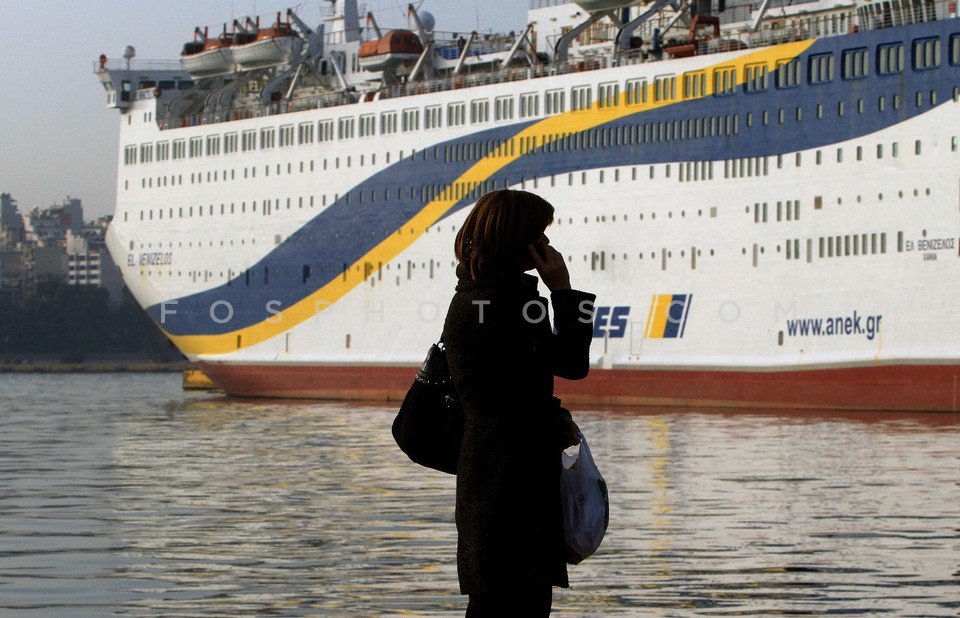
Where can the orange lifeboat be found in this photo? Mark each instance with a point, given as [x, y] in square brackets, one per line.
[208, 56]
[390, 51]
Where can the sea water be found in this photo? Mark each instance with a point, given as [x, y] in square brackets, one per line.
[123, 495]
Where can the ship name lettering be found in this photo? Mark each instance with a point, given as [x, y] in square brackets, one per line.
[156, 258]
[935, 244]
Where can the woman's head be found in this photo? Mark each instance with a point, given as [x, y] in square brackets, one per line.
[496, 235]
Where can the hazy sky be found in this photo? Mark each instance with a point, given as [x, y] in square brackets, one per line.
[57, 137]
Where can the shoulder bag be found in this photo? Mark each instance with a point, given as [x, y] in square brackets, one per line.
[429, 425]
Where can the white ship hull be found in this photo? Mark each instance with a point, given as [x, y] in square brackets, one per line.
[784, 248]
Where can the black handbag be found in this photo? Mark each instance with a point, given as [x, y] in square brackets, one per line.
[429, 424]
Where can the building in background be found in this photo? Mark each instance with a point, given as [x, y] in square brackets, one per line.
[53, 243]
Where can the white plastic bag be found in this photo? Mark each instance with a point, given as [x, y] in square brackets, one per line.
[586, 509]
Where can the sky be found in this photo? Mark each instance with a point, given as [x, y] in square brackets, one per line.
[57, 137]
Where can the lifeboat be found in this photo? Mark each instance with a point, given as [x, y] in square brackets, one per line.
[593, 6]
[208, 57]
[269, 46]
[692, 44]
[390, 51]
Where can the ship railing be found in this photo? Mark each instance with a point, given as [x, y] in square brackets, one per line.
[782, 30]
[117, 64]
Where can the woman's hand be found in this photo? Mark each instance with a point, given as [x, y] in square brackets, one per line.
[551, 267]
[569, 432]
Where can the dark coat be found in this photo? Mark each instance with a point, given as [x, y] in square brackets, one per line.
[509, 519]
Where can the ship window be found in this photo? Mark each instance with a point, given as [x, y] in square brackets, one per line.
[388, 123]
[146, 153]
[636, 90]
[788, 73]
[855, 64]
[368, 125]
[456, 114]
[694, 84]
[926, 54]
[305, 133]
[345, 127]
[820, 69]
[268, 138]
[479, 111]
[890, 59]
[554, 102]
[724, 81]
[196, 147]
[286, 135]
[230, 143]
[432, 117]
[581, 98]
[213, 145]
[410, 120]
[954, 49]
[755, 77]
[529, 105]
[664, 88]
[325, 131]
[503, 108]
[609, 94]
[248, 140]
[163, 153]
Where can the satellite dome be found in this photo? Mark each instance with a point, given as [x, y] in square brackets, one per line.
[428, 21]
[129, 52]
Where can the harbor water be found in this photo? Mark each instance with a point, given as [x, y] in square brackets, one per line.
[123, 495]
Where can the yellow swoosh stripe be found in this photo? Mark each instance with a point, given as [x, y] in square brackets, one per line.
[535, 136]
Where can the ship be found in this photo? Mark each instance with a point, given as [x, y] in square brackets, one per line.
[764, 196]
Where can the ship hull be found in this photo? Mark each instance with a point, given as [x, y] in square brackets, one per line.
[896, 387]
[793, 245]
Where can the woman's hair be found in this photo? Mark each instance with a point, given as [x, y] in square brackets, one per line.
[499, 229]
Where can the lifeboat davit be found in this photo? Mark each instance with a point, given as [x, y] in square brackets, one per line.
[208, 57]
[390, 51]
[270, 46]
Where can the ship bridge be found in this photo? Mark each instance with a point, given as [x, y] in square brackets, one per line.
[122, 79]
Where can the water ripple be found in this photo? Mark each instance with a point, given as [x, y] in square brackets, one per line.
[124, 496]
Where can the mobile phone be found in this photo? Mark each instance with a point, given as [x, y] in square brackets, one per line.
[541, 251]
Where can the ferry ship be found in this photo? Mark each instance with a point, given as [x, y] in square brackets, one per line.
[764, 197]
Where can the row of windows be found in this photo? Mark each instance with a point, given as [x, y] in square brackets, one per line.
[745, 167]
[844, 245]
[691, 128]
[733, 168]
[841, 245]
